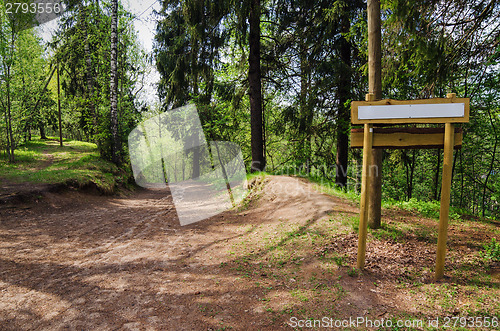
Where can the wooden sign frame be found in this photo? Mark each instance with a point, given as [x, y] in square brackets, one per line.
[405, 138]
[407, 120]
[447, 140]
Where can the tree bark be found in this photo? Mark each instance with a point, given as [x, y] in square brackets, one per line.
[115, 144]
[375, 87]
[11, 143]
[304, 127]
[492, 164]
[89, 74]
[9, 120]
[59, 107]
[7, 143]
[255, 89]
[196, 134]
[436, 175]
[42, 131]
[343, 116]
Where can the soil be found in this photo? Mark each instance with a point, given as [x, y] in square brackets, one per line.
[74, 260]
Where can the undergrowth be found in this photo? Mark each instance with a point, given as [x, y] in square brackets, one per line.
[429, 209]
[491, 251]
[76, 163]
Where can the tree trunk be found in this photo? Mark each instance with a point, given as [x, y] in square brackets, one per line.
[492, 164]
[343, 116]
[375, 87]
[255, 90]
[42, 131]
[196, 155]
[89, 74]
[90, 83]
[436, 175]
[305, 111]
[196, 135]
[411, 174]
[59, 107]
[115, 144]
[303, 133]
[11, 145]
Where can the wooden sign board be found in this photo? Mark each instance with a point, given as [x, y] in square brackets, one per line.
[405, 138]
[437, 110]
[448, 110]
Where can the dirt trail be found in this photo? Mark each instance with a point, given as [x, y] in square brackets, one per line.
[82, 261]
[89, 262]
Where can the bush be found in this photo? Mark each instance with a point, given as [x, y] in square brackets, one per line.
[491, 251]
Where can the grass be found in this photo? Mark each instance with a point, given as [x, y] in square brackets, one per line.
[328, 186]
[428, 209]
[77, 162]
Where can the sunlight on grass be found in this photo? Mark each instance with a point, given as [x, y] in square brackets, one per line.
[44, 161]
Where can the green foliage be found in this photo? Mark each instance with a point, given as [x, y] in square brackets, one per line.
[327, 185]
[313, 62]
[430, 49]
[428, 209]
[82, 48]
[491, 251]
[388, 232]
[22, 73]
[353, 272]
[425, 208]
[77, 163]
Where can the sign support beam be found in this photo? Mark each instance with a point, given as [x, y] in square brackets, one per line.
[445, 200]
[365, 194]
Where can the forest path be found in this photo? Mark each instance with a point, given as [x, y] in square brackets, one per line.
[84, 261]
[81, 261]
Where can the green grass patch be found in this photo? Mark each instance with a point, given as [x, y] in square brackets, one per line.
[491, 251]
[328, 186]
[77, 162]
[389, 232]
[253, 175]
[428, 209]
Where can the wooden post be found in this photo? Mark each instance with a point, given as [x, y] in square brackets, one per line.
[59, 107]
[365, 194]
[375, 88]
[445, 197]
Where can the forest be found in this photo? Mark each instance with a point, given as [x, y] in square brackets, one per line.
[275, 77]
[204, 165]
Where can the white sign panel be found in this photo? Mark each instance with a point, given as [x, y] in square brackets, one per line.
[441, 110]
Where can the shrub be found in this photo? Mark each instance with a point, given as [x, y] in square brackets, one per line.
[491, 251]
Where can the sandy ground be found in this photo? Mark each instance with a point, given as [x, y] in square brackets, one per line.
[84, 262]
[87, 262]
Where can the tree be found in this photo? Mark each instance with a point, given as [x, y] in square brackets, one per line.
[115, 149]
[255, 88]
[342, 13]
[189, 37]
[22, 74]
[93, 89]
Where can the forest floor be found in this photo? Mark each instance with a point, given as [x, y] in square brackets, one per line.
[81, 261]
